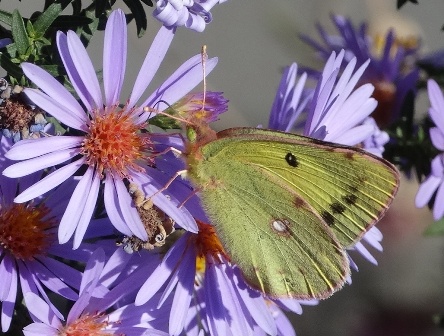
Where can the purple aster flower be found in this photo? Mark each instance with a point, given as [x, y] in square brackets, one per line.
[373, 238]
[111, 143]
[433, 184]
[290, 101]
[193, 14]
[376, 142]
[390, 71]
[338, 112]
[209, 291]
[202, 105]
[91, 315]
[29, 252]
[337, 109]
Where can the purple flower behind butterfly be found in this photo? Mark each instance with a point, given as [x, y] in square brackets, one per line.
[390, 68]
[335, 111]
[193, 14]
[208, 292]
[433, 185]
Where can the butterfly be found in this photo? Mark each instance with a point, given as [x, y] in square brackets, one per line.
[286, 207]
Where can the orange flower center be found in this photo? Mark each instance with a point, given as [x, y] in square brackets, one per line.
[25, 231]
[384, 93]
[114, 143]
[208, 245]
[86, 325]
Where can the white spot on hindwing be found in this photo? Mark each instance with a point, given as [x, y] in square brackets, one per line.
[281, 226]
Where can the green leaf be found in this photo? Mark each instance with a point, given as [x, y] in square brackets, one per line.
[30, 29]
[11, 68]
[19, 33]
[12, 49]
[435, 229]
[139, 14]
[45, 19]
[76, 7]
[6, 17]
[87, 31]
[54, 69]
[100, 7]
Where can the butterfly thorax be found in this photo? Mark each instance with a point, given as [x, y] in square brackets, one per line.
[198, 137]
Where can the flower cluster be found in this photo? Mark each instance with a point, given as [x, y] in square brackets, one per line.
[390, 67]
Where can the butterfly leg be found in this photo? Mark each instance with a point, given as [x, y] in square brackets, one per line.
[171, 180]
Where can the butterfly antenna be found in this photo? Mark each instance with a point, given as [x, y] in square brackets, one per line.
[154, 110]
[204, 73]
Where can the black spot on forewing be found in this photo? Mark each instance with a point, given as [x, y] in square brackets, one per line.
[291, 160]
[350, 199]
[328, 217]
[337, 208]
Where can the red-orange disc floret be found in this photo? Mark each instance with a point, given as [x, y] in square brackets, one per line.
[26, 231]
[208, 244]
[385, 94]
[87, 325]
[114, 144]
